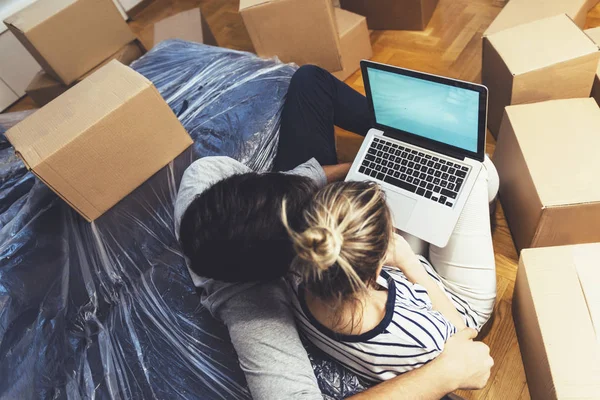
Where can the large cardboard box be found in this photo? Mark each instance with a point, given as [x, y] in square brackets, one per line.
[546, 59]
[299, 31]
[43, 88]
[355, 42]
[101, 139]
[70, 37]
[556, 308]
[517, 12]
[594, 33]
[547, 159]
[393, 14]
[187, 25]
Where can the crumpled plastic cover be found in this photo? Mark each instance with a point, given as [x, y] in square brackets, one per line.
[108, 310]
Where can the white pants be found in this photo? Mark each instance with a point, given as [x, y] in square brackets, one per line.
[466, 265]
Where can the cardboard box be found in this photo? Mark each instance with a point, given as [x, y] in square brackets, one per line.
[101, 139]
[70, 37]
[299, 31]
[517, 12]
[556, 309]
[543, 60]
[547, 159]
[188, 25]
[43, 88]
[355, 41]
[594, 33]
[393, 14]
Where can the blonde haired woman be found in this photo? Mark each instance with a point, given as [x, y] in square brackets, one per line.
[366, 299]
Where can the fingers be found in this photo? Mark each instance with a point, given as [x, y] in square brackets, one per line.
[467, 334]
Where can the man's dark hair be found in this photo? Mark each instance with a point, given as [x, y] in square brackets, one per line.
[233, 231]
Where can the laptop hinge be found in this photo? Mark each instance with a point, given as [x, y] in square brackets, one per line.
[447, 152]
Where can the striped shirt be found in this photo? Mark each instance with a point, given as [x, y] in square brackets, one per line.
[410, 335]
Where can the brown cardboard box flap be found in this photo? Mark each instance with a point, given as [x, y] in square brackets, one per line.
[556, 311]
[101, 139]
[36, 13]
[517, 12]
[541, 43]
[564, 171]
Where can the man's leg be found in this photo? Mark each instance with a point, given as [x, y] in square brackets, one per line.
[315, 102]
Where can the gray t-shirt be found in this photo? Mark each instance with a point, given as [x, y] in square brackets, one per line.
[257, 315]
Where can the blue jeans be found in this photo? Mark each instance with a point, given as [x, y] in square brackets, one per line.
[315, 102]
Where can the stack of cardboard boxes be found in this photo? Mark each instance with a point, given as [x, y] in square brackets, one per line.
[69, 39]
[540, 69]
[546, 59]
[320, 32]
[105, 128]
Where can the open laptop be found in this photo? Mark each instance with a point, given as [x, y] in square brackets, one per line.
[425, 148]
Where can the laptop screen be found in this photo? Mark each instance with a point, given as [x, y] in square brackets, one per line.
[443, 113]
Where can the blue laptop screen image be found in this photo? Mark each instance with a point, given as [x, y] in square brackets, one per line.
[432, 110]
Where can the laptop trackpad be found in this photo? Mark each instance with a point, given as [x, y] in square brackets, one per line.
[401, 207]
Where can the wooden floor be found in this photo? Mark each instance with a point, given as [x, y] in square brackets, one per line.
[450, 46]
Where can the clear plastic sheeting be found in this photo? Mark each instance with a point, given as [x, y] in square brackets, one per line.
[229, 101]
[108, 310]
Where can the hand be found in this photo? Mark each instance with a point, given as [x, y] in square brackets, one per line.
[401, 256]
[468, 362]
[337, 172]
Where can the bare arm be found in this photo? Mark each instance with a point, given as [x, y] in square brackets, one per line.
[336, 172]
[406, 260]
[420, 384]
[464, 364]
[262, 330]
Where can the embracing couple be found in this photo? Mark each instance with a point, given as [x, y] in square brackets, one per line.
[300, 250]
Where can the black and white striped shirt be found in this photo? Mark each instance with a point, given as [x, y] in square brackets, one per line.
[410, 335]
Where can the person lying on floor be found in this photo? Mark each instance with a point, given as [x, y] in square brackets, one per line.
[366, 299]
[228, 222]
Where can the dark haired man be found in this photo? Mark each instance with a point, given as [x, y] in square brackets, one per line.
[228, 222]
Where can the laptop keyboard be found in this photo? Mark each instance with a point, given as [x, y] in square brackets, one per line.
[428, 176]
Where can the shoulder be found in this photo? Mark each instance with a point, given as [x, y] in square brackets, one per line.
[201, 175]
[209, 170]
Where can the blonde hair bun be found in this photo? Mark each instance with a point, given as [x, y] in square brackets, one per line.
[320, 245]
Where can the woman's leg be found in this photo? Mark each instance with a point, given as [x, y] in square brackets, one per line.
[315, 102]
[466, 265]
